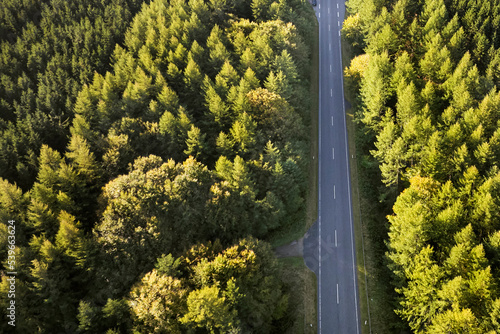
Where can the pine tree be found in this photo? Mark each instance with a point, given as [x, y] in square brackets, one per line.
[224, 144]
[195, 143]
[385, 40]
[217, 107]
[193, 79]
[218, 56]
[195, 29]
[13, 204]
[434, 16]
[279, 84]
[83, 159]
[420, 305]
[390, 152]
[168, 99]
[376, 89]
[284, 62]
[226, 78]
[197, 53]
[436, 63]
[248, 59]
[410, 225]
[408, 105]
[243, 133]
[174, 76]
[455, 321]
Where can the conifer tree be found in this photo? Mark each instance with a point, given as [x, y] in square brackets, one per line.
[195, 143]
[375, 89]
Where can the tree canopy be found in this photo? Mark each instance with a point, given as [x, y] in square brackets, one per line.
[427, 97]
[144, 146]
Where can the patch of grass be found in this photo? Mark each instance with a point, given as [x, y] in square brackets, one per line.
[375, 292]
[294, 231]
[302, 284]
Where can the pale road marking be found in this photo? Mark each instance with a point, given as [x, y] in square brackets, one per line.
[328, 10]
[333, 191]
[339, 33]
[338, 23]
[335, 238]
[333, 153]
[349, 197]
[337, 6]
[337, 293]
[338, 14]
[330, 47]
[319, 14]
[330, 67]
[319, 200]
[328, 27]
[332, 120]
[319, 6]
[331, 92]
[319, 269]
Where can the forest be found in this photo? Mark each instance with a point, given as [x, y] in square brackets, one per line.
[149, 151]
[427, 80]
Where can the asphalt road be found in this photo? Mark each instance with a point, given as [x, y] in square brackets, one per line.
[329, 245]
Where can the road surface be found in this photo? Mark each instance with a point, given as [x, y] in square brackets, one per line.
[329, 245]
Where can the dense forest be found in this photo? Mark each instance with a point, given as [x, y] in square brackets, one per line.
[427, 77]
[144, 148]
